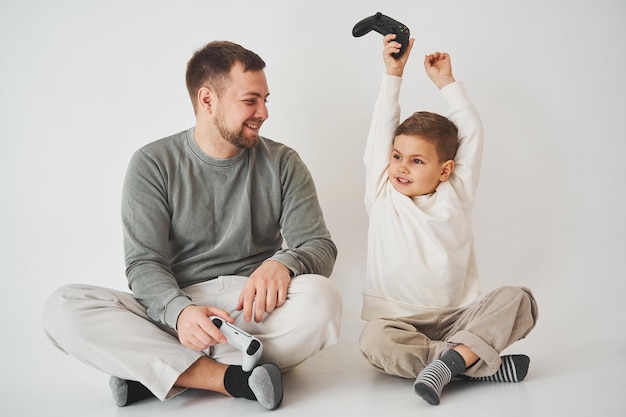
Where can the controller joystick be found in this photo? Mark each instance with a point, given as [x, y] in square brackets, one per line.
[384, 25]
[250, 346]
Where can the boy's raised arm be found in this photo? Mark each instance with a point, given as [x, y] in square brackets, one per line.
[439, 69]
[395, 66]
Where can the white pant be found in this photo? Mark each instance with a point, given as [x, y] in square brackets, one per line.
[110, 330]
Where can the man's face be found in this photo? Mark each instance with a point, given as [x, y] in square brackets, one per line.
[242, 108]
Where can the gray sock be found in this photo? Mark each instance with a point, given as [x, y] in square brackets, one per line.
[437, 375]
[127, 392]
[263, 384]
[266, 382]
[513, 369]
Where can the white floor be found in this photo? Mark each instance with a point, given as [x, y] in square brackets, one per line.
[550, 214]
[563, 381]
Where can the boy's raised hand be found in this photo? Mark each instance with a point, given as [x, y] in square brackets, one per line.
[395, 66]
[439, 68]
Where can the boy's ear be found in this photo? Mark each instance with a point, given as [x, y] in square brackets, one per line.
[446, 170]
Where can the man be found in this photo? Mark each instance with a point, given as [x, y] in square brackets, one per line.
[205, 213]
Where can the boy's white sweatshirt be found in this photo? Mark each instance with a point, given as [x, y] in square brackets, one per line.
[420, 250]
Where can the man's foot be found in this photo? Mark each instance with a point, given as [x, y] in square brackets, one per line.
[263, 384]
[127, 392]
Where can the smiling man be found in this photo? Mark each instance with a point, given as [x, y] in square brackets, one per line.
[205, 213]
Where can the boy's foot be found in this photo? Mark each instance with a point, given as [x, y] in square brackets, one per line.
[437, 375]
[513, 369]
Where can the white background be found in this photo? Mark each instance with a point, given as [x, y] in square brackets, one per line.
[85, 83]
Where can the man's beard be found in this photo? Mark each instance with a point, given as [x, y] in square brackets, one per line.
[235, 138]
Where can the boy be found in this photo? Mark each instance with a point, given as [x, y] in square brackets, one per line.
[426, 317]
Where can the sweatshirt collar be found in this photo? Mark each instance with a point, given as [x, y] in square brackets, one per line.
[203, 156]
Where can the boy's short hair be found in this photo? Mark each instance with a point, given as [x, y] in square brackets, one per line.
[435, 129]
[211, 66]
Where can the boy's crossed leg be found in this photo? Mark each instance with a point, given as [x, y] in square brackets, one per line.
[439, 373]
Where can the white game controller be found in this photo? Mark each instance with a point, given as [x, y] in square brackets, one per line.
[250, 346]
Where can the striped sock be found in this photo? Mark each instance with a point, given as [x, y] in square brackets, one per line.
[513, 369]
[437, 375]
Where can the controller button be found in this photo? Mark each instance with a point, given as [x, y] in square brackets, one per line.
[253, 347]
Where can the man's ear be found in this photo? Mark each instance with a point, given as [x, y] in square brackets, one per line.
[446, 170]
[205, 99]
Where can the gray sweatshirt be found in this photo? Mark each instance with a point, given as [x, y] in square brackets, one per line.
[189, 218]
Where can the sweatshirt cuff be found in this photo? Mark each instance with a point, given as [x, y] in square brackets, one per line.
[290, 261]
[174, 308]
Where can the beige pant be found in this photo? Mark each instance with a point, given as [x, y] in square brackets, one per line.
[404, 346]
[109, 330]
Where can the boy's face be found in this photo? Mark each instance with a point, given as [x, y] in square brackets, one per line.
[414, 167]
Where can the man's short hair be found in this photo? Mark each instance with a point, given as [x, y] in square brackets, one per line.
[210, 66]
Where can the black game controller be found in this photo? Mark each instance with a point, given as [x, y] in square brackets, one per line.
[384, 25]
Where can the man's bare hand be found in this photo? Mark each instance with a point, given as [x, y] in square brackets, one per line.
[196, 331]
[265, 290]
